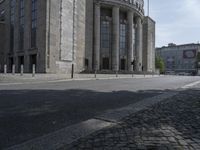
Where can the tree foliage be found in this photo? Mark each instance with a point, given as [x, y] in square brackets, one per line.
[160, 64]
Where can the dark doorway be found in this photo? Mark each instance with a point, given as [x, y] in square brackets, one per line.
[105, 63]
[33, 61]
[86, 63]
[123, 64]
[11, 62]
[21, 62]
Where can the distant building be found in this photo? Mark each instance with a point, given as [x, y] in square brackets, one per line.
[91, 34]
[179, 58]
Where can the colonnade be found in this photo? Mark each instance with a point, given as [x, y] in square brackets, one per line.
[134, 48]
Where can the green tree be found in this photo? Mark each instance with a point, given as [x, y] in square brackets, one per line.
[160, 64]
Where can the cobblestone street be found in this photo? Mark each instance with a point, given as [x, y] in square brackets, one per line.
[173, 124]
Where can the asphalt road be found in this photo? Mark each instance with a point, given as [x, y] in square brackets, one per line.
[31, 110]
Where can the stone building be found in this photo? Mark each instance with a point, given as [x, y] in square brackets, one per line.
[92, 35]
[49, 34]
[115, 30]
[179, 58]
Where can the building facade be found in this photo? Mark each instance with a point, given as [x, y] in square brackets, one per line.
[179, 58]
[115, 30]
[90, 34]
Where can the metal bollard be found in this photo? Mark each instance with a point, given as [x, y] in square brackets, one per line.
[72, 73]
[95, 74]
[33, 71]
[13, 69]
[5, 69]
[116, 74]
[22, 70]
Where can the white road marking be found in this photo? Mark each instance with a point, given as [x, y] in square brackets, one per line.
[190, 85]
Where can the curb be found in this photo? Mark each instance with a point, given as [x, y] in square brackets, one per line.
[75, 79]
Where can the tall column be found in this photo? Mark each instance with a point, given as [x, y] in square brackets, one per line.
[130, 40]
[115, 43]
[139, 44]
[97, 29]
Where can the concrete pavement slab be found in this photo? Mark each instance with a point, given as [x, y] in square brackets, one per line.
[64, 136]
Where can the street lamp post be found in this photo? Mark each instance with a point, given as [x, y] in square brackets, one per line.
[148, 8]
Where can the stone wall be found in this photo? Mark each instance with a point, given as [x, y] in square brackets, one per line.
[41, 37]
[53, 28]
[148, 44]
[67, 31]
[80, 35]
[71, 47]
[89, 34]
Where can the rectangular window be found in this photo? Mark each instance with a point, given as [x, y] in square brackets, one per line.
[105, 34]
[12, 20]
[86, 63]
[2, 15]
[21, 24]
[33, 23]
[20, 62]
[33, 61]
[123, 39]
[123, 64]
[11, 62]
[106, 63]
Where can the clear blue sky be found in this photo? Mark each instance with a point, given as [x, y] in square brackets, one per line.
[177, 21]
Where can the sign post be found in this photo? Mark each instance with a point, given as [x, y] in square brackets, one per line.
[133, 64]
[5, 69]
[33, 70]
[13, 69]
[22, 70]
[72, 73]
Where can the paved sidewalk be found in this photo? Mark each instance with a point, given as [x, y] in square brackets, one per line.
[169, 125]
[17, 78]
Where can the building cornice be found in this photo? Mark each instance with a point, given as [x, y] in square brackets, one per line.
[135, 5]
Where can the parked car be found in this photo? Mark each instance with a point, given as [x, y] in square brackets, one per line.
[184, 74]
[170, 73]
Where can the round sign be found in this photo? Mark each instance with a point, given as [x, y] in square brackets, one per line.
[189, 54]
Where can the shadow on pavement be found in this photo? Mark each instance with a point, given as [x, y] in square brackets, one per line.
[27, 114]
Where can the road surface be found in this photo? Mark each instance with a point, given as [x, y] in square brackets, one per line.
[28, 111]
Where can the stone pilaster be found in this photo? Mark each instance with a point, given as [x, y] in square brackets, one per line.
[115, 46]
[139, 44]
[130, 40]
[97, 23]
